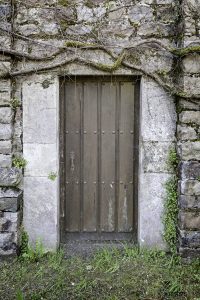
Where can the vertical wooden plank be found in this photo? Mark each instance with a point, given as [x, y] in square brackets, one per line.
[90, 157]
[73, 92]
[126, 144]
[108, 134]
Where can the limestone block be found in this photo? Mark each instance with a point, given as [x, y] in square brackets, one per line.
[41, 158]
[10, 176]
[98, 56]
[189, 253]
[5, 92]
[190, 239]
[99, 11]
[5, 161]
[190, 150]
[154, 28]
[165, 13]
[190, 187]
[40, 124]
[35, 90]
[5, 40]
[164, 2]
[190, 117]
[155, 158]
[5, 131]
[158, 115]
[5, 115]
[151, 195]
[140, 13]
[189, 25]
[193, 105]
[17, 132]
[189, 40]
[186, 133]
[5, 10]
[5, 147]
[192, 202]
[18, 123]
[10, 199]
[191, 63]
[29, 29]
[84, 13]
[8, 243]
[4, 67]
[41, 210]
[192, 85]
[35, 3]
[189, 220]
[9, 221]
[36, 20]
[190, 170]
[40, 117]
[155, 62]
[78, 29]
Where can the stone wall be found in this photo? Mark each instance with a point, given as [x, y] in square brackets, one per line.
[10, 177]
[188, 135]
[156, 40]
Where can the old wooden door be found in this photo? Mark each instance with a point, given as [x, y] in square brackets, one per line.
[98, 158]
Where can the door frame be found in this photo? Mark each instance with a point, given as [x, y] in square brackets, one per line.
[62, 145]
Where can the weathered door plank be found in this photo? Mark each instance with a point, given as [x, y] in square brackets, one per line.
[73, 98]
[90, 157]
[108, 132]
[126, 130]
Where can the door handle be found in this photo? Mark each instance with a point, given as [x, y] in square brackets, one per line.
[72, 158]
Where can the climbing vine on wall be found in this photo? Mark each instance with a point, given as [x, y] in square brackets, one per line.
[170, 218]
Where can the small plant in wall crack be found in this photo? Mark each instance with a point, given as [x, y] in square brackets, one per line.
[14, 103]
[52, 176]
[19, 162]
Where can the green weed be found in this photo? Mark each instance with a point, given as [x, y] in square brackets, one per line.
[19, 162]
[52, 176]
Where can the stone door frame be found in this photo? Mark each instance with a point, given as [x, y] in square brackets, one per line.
[41, 105]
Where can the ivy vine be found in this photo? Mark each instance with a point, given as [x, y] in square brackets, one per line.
[170, 219]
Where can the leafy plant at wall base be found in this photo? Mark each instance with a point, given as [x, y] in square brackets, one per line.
[27, 252]
[24, 242]
[19, 162]
[34, 254]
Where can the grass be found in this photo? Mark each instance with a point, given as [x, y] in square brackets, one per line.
[109, 275]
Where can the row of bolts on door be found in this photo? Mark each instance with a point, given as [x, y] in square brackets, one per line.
[85, 182]
[121, 132]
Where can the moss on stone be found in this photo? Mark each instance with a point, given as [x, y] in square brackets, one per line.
[89, 3]
[110, 68]
[185, 51]
[77, 44]
[64, 2]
